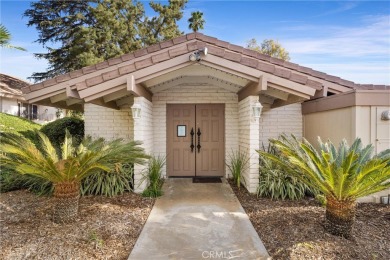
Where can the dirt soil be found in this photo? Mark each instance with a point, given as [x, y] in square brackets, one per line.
[107, 228]
[294, 229]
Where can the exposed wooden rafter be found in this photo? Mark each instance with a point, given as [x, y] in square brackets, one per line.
[136, 89]
[253, 88]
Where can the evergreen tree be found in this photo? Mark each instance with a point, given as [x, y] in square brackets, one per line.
[196, 21]
[87, 32]
[269, 47]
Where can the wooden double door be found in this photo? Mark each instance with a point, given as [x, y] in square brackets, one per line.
[195, 140]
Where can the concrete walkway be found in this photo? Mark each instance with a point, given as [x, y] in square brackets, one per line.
[198, 221]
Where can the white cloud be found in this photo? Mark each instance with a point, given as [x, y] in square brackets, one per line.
[371, 38]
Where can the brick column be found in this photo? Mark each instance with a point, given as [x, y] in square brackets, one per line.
[249, 141]
[143, 131]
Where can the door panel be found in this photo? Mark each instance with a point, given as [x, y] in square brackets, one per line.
[209, 119]
[180, 159]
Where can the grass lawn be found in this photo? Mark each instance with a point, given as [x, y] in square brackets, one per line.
[14, 124]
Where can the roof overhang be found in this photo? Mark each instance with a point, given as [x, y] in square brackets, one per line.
[348, 99]
[167, 64]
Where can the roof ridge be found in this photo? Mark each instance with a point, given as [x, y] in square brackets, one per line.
[217, 47]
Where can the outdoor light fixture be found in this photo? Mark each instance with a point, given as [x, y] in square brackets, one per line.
[256, 109]
[385, 115]
[196, 56]
[136, 111]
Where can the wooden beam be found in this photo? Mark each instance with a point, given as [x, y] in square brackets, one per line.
[125, 101]
[136, 89]
[100, 102]
[61, 104]
[289, 101]
[72, 101]
[253, 88]
[116, 95]
[321, 93]
[101, 94]
[58, 98]
[292, 91]
[276, 93]
[72, 93]
[266, 100]
[45, 96]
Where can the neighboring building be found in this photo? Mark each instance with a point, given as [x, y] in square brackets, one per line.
[13, 102]
[197, 96]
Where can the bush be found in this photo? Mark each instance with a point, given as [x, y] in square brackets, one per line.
[276, 182]
[10, 180]
[111, 183]
[153, 176]
[238, 163]
[55, 130]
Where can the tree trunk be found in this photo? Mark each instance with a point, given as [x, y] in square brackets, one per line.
[66, 201]
[340, 217]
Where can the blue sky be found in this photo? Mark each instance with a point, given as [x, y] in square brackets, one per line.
[349, 39]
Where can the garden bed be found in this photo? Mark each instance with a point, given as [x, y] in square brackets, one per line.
[294, 229]
[106, 228]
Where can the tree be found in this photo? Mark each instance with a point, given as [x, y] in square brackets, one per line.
[67, 168]
[88, 32]
[196, 21]
[269, 47]
[342, 175]
[5, 38]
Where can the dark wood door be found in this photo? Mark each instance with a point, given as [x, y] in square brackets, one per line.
[195, 140]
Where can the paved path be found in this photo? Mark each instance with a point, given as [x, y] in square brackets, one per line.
[198, 221]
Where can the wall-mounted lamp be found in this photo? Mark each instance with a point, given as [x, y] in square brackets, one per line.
[256, 109]
[385, 115]
[136, 110]
[196, 56]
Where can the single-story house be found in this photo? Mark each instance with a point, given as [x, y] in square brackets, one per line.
[13, 102]
[196, 99]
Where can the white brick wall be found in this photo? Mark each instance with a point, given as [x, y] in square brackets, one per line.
[287, 119]
[195, 94]
[108, 123]
[143, 131]
[249, 141]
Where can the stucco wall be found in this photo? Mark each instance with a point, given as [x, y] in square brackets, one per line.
[108, 123]
[334, 125]
[194, 94]
[273, 123]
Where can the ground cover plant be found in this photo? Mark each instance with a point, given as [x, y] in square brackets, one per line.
[153, 176]
[237, 163]
[277, 182]
[67, 169]
[342, 174]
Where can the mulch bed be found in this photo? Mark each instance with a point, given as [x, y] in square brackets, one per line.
[294, 229]
[106, 228]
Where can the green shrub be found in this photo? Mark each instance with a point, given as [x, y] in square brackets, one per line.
[11, 180]
[154, 178]
[55, 130]
[276, 182]
[238, 163]
[111, 183]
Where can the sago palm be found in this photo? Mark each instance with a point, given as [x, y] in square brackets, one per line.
[342, 174]
[5, 38]
[67, 169]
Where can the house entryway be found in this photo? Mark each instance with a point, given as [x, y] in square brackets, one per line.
[195, 140]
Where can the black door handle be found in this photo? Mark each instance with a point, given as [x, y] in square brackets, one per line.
[198, 133]
[192, 140]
